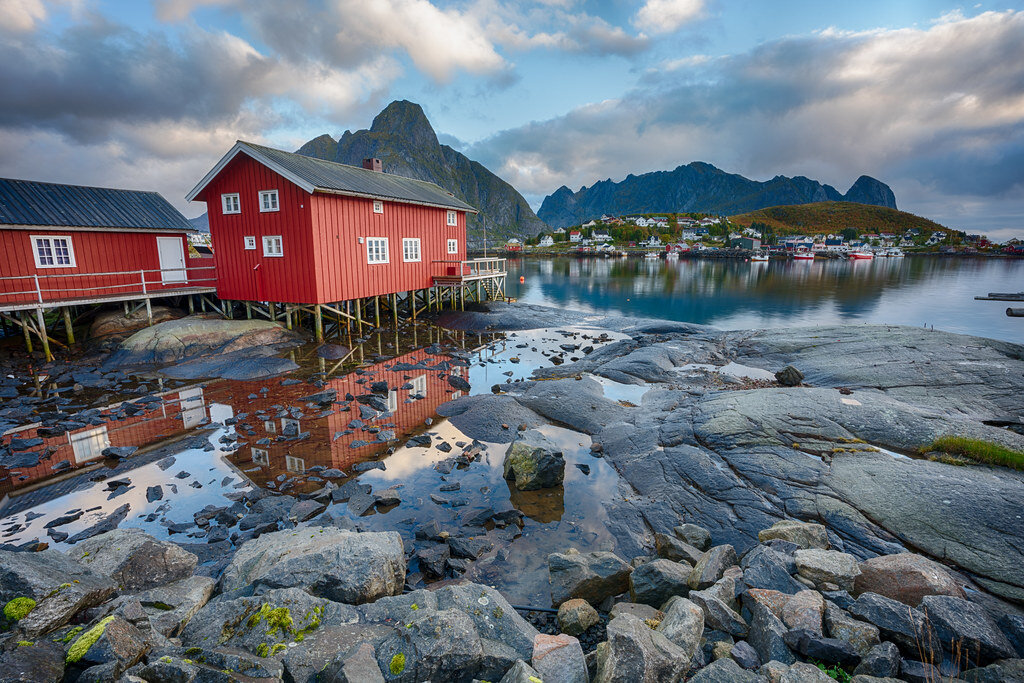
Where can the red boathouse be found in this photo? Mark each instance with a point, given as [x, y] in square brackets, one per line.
[70, 246]
[310, 234]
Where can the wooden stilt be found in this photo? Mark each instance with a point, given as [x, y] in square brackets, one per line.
[412, 304]
[376, 311]
[359, 316]
[288, 316]
[272, 309]
[42, 334]
[149, 312]
[25, 329]
[191, 305]
[318, 320]
[69, 327]
[394, 308]
[248, 310]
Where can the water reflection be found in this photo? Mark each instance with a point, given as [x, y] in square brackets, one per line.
[734, 294]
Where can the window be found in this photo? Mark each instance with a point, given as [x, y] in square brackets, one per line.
[419, 387]
[230, 203]
[376, 249]
[452, 218]
[393, 401]
[411, 249]
[453, 246]
[272, 246]
[268, 200]
[89, 444]
[53, 252]
[270, 427]
[250, 242]
[378, 206]
[294, 464]
[261, 457]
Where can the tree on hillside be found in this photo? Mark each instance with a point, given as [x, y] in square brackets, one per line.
[849, 234]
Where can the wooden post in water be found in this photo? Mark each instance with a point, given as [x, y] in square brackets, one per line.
[288, 316]
[25, 329]
[69, 328]
[376, 311]
[394, 308]
[359, 316]
[42, 334]
[248, 310]
[318, 320]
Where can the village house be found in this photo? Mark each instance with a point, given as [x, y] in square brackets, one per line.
[936, 237]
[513, 244]
[559, 231]
[601, 237]
[546, 241]
[575, 236]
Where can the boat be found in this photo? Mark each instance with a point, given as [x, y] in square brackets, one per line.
[894, 252]
[862, 255]
[760, 256]
[672, 255]
[803, 256]
[651, 255]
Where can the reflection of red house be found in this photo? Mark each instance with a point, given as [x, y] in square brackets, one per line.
[180, 411]
[292, 457]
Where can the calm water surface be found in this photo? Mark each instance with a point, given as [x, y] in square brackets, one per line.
[733, 294]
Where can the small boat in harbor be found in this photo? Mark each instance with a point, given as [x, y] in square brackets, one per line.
[759, 257]
[803, 256]
[862, 255]
[894, 252]
[651, 255]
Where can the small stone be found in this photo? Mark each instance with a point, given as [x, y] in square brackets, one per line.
[655, 582]
[820, 566]
[803, 534]
[789, 376]
[804, 610]
[711, 566]
[881, 661]
[576, 616]
[697, 536]
[745, 655]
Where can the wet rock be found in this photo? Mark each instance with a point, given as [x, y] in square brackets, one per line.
[902, 624]
[305, 510]
[41, 661]
[919, 672]
[357, 664]
[906, 577]
[332, 351]
[642, 612]
[725, 670]
[655, 582]
[683, 624]
[881, 661]
[112, 642]
[134, 559]
[172, 606]
[118, 451]
[802, 534]
[458, 383]
[534, 462]
[827, 566]
[862, 636]
[60, 587]
[765, 568]
[559, 659]
[576, 616]
[433, 560]
[697, 536]
[957, 621]
[1006, 670]
[438, 645]
[818, 647]
[590, 576]
[767, 635]
[154, 493]
[340, 565]
[789, 376]
[634, 653]
[108, 523]
[671, 548]
[711, 566]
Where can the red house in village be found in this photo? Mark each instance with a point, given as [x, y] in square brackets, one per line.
[288, 228]
[72, 244]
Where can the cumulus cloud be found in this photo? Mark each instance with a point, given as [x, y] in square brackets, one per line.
[940, 106]
[21, 16]
[666, 16]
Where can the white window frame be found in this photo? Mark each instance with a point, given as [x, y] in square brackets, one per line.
[393, 401]
[268, 241]
[419, 386]
[453, 246]
[272, 205]
[227, 206]
[250, 242]
[378, 206]
[369, 252]
[293, 464]
[260, 456]
[408, 242]
[50, 239]
[453, 219]
[270, 427]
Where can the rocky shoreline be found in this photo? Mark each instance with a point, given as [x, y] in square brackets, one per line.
[768, 529]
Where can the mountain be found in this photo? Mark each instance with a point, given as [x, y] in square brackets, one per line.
[403, 139]
[834, 217]
[698, 187]
[201, 223]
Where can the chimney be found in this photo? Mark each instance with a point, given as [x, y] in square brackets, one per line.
[373, 165]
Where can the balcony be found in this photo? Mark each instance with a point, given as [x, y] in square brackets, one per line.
[474, 270]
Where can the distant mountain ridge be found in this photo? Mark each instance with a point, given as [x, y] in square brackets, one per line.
[405, 142]
[826, 217]
[699, 187]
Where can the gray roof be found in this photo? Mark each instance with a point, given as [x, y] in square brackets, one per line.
[328, 176]
[29, 202]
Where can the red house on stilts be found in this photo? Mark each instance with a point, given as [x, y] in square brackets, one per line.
[313, 236]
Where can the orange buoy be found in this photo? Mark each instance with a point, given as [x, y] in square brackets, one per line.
[522, 279]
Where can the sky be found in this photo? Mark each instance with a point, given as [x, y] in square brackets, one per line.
[925, 95]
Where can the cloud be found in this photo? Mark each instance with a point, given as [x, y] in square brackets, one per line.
[21, 16]
[666, 16]
[941, 106]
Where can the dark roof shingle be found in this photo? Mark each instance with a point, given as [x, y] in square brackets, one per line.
[28, 202]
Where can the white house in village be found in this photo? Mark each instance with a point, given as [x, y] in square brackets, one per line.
[560, 231]
[546, 241]
[653, 243]
[589, 224]
[575, 236]
[601, 237]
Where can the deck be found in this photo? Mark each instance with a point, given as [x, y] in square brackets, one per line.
[475, 270]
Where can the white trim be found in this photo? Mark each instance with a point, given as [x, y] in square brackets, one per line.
[250, 242]
[456, 249]
[309, 188]
[405, 254]
[387, 251]
[224, 203]
[452, 218]
[35, 251]
[276, 203]
[89, 228]
[280, 246]
[378, 206]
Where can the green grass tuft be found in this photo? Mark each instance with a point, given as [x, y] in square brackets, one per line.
[978, 450]
[18, 608]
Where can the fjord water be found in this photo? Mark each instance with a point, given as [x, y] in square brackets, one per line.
[733, 294]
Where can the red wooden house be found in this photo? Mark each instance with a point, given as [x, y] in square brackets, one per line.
[65, 244]
[293, 229]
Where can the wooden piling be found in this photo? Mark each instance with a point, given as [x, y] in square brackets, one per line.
[25, 328]
[69, 327]
[318, 319]
[42, 334]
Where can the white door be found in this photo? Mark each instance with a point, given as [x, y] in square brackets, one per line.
[172, 259]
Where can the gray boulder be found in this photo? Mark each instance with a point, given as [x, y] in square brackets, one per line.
[559, 659]
[957, 621]
[672, 548]
[494, 618]
[789, 376]
[881, 661]
[767, 635]
[726, 670]
[718, 615]
[521, 672]
[819, 648]
[59, 586]
[635, 653]
[827, 566]
[112, 642]
[134, 559]
[340, 565]
[653, 583]
[576, 616]
[711, 566]
[692, 534]
[683, 624]
[433, 645]
[358, 664]
[802, 672]
[906, 577]
[999, 672]
[862, 636]
[745, 655]
[172, 606]
[803, 534]
[902, 624]
[771, 570]
[591, 576]
[534, 462]
[41, 661]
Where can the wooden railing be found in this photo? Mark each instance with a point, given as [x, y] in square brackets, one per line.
[471, 269]
[21, 289]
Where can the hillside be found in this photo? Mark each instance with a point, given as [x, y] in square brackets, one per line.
[833, 217]
[403, 139]
[699, 187]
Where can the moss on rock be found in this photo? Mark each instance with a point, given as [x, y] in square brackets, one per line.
[18, 608]
[87, 640]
